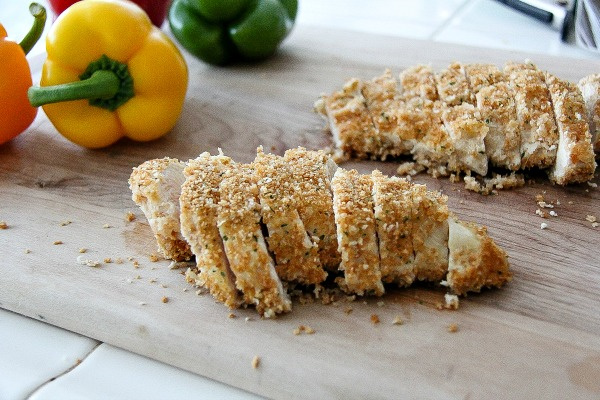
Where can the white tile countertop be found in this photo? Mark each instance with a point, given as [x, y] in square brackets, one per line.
[41, 362]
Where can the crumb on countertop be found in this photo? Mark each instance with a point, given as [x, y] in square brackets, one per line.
[82, 250]
[543, 225]
[129, 216]
[3, 225]
[154, 257]
[375, 318]
[106, 226]
[57, 242]
[397, 320]
[108, 260]
[65, 223]
[591, 218]
[255, 362]
[165, 299]
[452, 328]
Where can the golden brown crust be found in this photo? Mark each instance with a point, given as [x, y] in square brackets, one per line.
[475, 260]
[429, 233]
[312, 172]
[239, 225]
[539, 136]
[453, 86]
[467, 133]
[350, 122]
[392, 198]
[155, 187]
[356, 232]
[381, 97]
[419, 81]
[198, 202]
[296, 256]
[575, 154]
[482, 75]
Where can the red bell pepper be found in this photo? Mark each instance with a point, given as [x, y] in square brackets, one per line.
[156, 9]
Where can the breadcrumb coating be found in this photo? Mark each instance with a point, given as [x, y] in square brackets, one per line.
[239, 225]
[198, 202]
[590, 89]
[453, 86]
[392, 198]
[575, 154]
[312, 172]
[419, 81]
[475, 260]
[296, 256]
[155, 187]
[356, 232]
[481, 76]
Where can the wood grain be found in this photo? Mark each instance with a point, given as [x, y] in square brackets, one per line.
[538, 337]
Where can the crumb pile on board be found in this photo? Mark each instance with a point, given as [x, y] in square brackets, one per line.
[472, 119]
[258, 230]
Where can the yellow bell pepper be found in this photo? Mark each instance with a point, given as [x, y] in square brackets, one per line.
[110, 73]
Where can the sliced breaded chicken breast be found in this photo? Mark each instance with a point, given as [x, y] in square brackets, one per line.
[429, 233]
[392, 198]
[155, 186]
[432, 145]
[296, 256]
[356, 232]
[590, 89]
[198, 202]
[238, 220]
[381, 97]
[481, 76]
[497, 109]
[312, 172]
[467, 133]
[575, 159]
[453, 86]
[419, 81]
[475, 260]
[539, 136]
[349, 120]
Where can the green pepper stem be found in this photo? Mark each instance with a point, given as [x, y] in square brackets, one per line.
[101, 85]
[39, 22]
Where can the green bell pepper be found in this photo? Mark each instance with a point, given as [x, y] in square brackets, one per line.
[224, 31]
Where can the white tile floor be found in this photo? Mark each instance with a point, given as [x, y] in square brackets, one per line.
[33, 353]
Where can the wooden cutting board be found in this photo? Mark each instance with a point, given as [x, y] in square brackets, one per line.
[537, 338]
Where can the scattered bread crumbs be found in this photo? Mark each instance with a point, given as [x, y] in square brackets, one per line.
[304, 329]
[452, 328]
[247, 319]
[27, 251]
[595, 224]
[142, 303]
[543, 225]
[106, 226]
[232, 315]
[129, 217]
[82, 250]
[570, 202]
[348, 310]
[380, 303]
[451, 301]
[165, 299]
[164, 286]
[119, 261]
[541, 213]
[57, 242]
[592, 184]
[553, 213]
[87, 262]
[154, 257]
[397, 320]
[152, 280]
[3, 225]
[374, 318]
[136, 264]
[255, 362]
[65, 223]
[108, 260]
[591, 218]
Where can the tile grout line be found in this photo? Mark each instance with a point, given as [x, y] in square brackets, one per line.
[444, 25]
[81, 360]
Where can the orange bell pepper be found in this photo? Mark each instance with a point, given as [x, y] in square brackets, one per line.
[15, 78]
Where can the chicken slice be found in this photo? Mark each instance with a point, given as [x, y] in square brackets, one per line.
[312, 172]
[539, 136]
[296, 256]
[349, 121]
[419, 81]
[475, 260]
[575, 154]
[467, 133]
[198, 202]
[453, 86]
[393, 212]
[381, 97]
[481, 76]
[432, 145]
[429, 233]
[590, 89]
[238, 220]
[155, 186]
[356, 232]
[496, 105]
